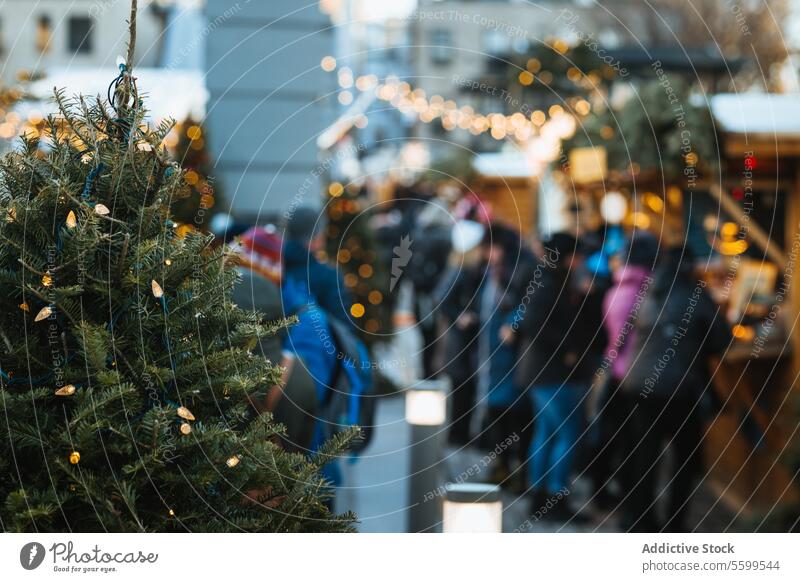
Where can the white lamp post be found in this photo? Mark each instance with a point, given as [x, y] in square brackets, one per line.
[426, 404]
[426, 412]
[472, 508]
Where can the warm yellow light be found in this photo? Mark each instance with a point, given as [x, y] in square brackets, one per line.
[7, 130]
[345, 97]
[194, 132]
[533, 65]
[357, 310]
[335, 189]
[729, 230]
[743, 332]
[583, 107]
[387, 92]
[525, 78]
[640, 220]
[523, 133]
[654, 202]
[498, 132]
[328, 64]
[733, 248]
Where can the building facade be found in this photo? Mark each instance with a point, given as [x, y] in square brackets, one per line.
[269, 100]
[36, 37]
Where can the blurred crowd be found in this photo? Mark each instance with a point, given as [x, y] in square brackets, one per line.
[593, 348]
[585, 354]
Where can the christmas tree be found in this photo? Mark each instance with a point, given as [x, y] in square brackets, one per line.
[127, 380]
[350, 241]
[191, 152]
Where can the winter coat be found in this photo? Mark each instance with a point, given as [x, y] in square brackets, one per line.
[322, 281]
[677, 330]
[591, 337]
[621, 307]
[456, 295]
[547, 337]
[496, 359]
[324, 337]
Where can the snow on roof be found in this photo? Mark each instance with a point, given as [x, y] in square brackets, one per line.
[757, 113]
[168, 93]
[504, 164]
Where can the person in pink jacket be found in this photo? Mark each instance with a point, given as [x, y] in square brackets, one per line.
[632, 269]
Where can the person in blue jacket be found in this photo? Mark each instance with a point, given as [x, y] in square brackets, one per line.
[302, 233]
[322, 339]
[508, 415]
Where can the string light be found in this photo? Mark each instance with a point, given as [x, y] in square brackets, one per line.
[67, 390]
[414, 102]
[328, 64]
[44, 313]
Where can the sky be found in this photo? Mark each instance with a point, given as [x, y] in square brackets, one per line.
[387, 9]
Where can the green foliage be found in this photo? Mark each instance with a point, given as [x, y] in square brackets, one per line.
[191, 152]
[351, 241]
[655, 129]
[455, 166]
[133, 357]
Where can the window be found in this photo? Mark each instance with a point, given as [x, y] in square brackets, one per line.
[80, 34]
[44, 33]
[497, 43]
[441, 51]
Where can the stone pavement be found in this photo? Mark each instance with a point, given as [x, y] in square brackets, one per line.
[375, 485]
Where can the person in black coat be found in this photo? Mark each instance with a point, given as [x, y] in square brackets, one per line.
[550, 343]
[459, 310]
[678, 330]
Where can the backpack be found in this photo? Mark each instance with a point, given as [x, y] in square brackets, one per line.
[350, 401]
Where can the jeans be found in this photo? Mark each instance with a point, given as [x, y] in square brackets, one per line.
[678, 424]
[558, 418]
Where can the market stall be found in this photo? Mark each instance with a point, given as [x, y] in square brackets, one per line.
[739, 216]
